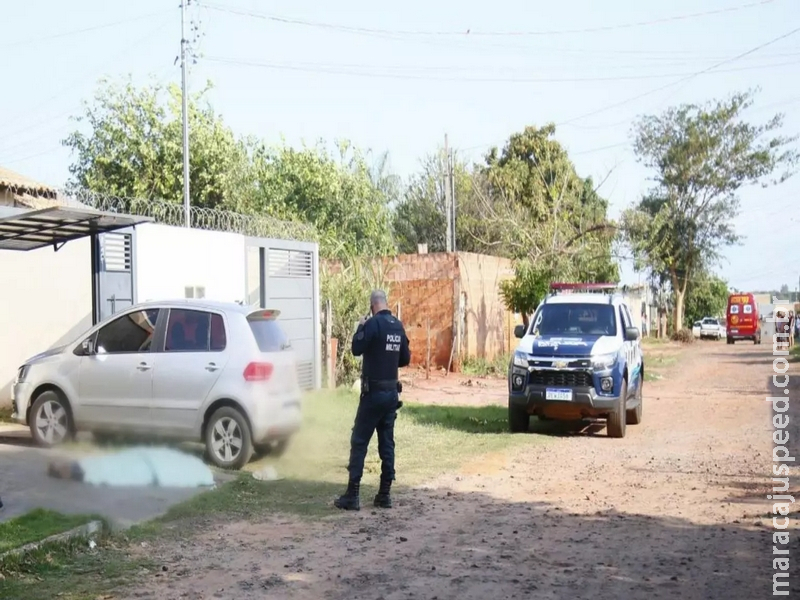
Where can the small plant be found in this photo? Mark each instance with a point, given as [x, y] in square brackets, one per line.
[480, 367]
[684, 336]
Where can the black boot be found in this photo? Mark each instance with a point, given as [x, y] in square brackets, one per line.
[350, 499]
[383, 499]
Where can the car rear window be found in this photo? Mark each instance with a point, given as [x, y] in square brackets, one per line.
[269, 335]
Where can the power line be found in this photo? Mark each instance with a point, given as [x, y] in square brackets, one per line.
[684, 79]
[380, 72]
[79, 82]
[84, 30]
[470, 32]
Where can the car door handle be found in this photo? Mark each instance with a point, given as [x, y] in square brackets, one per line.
[212, 367]
[143, 367]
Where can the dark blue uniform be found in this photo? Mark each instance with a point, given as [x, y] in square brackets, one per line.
[383, 344]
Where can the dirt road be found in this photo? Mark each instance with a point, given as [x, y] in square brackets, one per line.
[677, 509]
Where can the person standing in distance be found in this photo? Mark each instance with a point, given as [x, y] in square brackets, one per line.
[381, 339]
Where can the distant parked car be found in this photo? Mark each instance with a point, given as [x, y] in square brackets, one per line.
[186, 370]
[711, 328]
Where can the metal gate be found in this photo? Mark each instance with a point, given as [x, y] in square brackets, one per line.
[284, 275]
[114, 275]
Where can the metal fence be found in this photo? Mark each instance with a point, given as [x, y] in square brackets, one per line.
[171, 213]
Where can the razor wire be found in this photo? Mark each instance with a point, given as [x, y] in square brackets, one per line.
[172, 213]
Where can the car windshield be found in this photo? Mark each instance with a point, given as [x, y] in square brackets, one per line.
[269, 335]
[710, 322]
[575, 320]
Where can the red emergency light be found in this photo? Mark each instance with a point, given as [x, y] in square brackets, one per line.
[589, 287]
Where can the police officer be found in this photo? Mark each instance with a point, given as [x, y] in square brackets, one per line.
[381, 340]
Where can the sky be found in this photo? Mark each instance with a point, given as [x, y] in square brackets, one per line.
[398, 78]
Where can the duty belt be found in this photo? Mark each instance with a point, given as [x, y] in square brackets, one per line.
[381, 385]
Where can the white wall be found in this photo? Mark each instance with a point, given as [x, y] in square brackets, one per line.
[168, 259]
[45, 301]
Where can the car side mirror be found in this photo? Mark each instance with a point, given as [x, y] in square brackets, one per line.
[631, 334]
[519, 331]
[88, 347]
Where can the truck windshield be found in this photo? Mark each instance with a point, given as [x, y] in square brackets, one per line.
[575, 319]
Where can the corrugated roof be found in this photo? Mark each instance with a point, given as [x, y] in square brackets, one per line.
[19, 182]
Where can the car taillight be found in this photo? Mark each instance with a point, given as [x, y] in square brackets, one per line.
[258, 371]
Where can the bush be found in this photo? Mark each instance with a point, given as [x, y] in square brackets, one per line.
[349, 290]
[684, 336]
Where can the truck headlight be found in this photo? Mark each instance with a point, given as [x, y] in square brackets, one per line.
[604, 361]
[520, 360]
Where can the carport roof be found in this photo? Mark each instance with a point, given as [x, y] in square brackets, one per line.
[31, 229]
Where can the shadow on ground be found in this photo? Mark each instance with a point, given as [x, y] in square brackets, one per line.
[493, 420]
[434, 543]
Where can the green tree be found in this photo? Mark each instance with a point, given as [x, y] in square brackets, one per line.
[336, 194]
[419, 217]
[526, 290]
[701, 157]
[531, 205]
[130, 144]
[706, 296]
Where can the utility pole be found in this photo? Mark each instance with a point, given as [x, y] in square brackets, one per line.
[451, 171]
[448, 198]
[185, 115]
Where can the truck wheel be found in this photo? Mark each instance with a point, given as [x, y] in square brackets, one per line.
[615, 424]
[634, 415]
[518, 419]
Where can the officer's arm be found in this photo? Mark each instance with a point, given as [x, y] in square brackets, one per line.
[405, 351]
[363, 337]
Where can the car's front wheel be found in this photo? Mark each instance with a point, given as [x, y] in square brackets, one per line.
[518, 419]
[615, 425]
[229, 443]
[51, 420]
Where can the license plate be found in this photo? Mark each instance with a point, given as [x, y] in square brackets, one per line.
[558, 394]
[734, 331]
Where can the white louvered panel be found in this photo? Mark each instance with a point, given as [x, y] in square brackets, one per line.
[305, 375]
[117, 252]
[289, 263]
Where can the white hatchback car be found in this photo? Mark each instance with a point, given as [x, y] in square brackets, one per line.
[184, 370]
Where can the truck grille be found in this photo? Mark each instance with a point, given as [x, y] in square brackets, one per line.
[561, 378]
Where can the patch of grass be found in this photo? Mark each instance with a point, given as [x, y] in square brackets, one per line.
[654, 341]
[5, 414]
[661, 361]
[795, 353]
[71, 571]
[35, 526]
[480, 367]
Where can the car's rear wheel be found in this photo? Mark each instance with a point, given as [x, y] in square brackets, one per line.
[228, 440]
[518, 419]
[51, 420]
[634, 415]
[615, 424]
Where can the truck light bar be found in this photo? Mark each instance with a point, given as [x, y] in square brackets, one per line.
[582, 287]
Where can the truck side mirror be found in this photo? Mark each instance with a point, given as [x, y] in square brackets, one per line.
[519, 331]
[631, 334]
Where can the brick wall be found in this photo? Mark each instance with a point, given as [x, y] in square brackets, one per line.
[428, 289]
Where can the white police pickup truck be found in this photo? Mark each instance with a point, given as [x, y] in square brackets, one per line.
[580, 357]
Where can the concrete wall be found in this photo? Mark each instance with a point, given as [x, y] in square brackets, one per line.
[488, 326]
[169, 259]
[46, 301]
